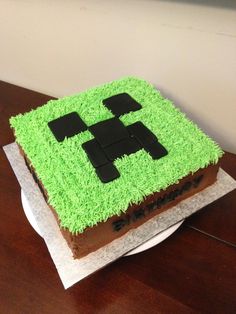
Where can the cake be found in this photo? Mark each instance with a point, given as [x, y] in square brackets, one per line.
[110, 158]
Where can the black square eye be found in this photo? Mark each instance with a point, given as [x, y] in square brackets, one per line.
[67, 126]
[121, 104]
[109, 131]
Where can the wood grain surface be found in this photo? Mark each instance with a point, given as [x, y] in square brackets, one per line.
[193, 271]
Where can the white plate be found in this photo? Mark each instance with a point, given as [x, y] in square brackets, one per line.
[150, 243]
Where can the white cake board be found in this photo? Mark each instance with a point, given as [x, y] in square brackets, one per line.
[29, 213]
[73, 270]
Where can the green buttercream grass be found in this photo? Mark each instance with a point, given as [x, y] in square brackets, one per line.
[80, 199]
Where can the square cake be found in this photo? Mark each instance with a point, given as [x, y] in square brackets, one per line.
[108, 159]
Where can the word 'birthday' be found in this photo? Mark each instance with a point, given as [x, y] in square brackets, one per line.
[144, 211]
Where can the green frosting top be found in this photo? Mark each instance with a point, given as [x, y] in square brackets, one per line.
[80, 199]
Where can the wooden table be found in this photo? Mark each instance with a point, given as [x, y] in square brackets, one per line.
[192, 271]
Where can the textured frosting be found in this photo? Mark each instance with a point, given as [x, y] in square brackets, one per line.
[80, 199]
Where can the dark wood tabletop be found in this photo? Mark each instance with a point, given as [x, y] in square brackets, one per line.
[193, 271]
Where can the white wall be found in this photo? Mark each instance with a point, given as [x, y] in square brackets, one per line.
[187, 50]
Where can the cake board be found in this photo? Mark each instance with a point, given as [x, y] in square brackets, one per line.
[73, 270]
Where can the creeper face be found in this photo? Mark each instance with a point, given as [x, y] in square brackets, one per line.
[112, 139]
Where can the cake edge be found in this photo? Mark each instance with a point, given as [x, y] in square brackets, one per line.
[103, 233]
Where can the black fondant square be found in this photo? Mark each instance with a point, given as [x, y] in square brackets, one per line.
[67, 126]
[109, 131]
[142, 133]
[107, 173]
[156, 150]
[121, 104]
[125, 147]
[95, 153]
